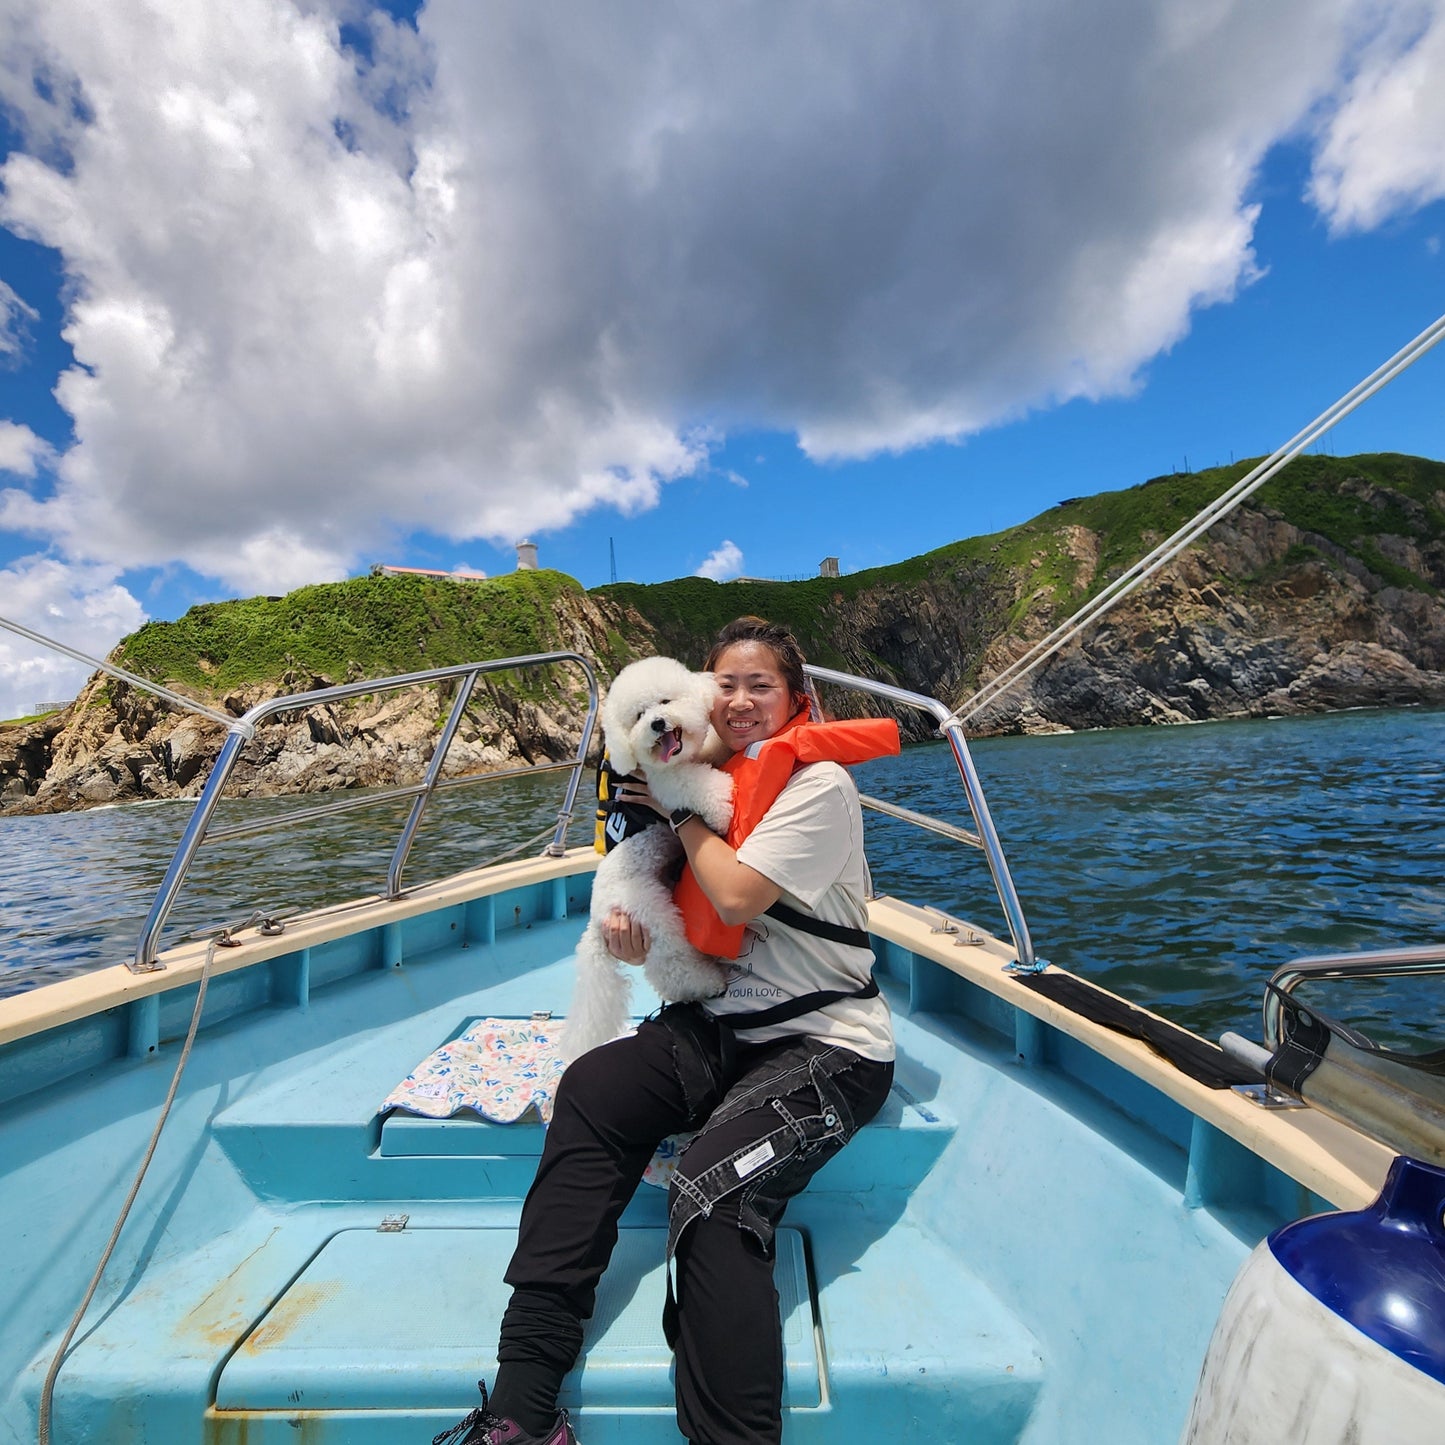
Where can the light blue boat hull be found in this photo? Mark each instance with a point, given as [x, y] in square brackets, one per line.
[1030, 1244]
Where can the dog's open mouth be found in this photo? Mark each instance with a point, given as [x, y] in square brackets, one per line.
[669, 743]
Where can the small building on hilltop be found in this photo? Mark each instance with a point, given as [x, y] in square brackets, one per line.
[385, 569]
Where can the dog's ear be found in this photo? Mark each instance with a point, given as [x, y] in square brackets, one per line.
[619, 751]
[614, 733]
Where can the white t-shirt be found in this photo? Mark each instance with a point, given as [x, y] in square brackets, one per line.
[810, 843]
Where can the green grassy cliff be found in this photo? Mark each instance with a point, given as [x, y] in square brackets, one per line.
[369, 626]
[1351, 502]
[364, 627]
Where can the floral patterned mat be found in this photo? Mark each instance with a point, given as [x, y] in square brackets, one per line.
[502, 1069]
[497, 1068]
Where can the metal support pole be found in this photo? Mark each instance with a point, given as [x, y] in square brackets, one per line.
[145, 949]
[993, 850]
[433, 772]
[558, 846]
[973, 790]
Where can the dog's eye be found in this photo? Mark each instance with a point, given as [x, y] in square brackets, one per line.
[663, 702]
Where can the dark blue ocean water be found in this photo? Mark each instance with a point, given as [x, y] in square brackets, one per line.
[1180, 866]
[1176, 866]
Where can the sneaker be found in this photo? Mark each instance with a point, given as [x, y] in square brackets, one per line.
[482, 1427]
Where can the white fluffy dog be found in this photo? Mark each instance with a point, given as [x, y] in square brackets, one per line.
[655, 720]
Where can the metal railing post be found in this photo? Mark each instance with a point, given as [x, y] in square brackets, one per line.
[429, 782]
[243, 728]
[993, 850]
[191, 839]
[558, 846]
[973, 790]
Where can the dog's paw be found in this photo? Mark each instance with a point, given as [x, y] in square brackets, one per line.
[717, 801]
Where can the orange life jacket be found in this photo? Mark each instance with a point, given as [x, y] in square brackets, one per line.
[759, 774]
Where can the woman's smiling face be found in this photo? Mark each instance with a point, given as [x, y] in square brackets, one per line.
[753, 697]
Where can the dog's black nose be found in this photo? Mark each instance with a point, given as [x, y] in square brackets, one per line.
[659, 725]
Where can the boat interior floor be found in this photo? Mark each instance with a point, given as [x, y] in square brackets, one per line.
[268, 1291]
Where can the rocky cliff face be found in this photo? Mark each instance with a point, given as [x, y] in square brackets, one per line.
[1262, 617]
[118, 744]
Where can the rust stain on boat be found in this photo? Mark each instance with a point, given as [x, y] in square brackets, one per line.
[228, 1308]
[293, 1308]
[217, 1428]
[233, 1427]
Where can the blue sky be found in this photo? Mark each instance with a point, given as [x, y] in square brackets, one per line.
[735, 290]
[1247, 377]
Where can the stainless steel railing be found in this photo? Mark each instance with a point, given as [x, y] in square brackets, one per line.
[1379, 963]
[465, 675]
[199, 831]
[987, 837]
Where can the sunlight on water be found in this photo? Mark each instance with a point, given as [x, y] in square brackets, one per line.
[1176, 866]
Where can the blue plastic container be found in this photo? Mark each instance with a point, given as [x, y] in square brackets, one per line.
[1383, 1268]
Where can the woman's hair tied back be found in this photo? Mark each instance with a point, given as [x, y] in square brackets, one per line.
[772, 635]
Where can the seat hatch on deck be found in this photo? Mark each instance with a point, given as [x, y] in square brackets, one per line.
[409, 1320]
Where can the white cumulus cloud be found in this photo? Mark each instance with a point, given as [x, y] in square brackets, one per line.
[722, 562]
[15, 318]
[1383, 148]
[21, 451]
[527, 261]
[81, 606]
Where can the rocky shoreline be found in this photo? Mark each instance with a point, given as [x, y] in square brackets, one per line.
[116, 744]
[1260, 619]
[108, 747]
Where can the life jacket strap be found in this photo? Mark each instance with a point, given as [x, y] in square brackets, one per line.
[794, 1008]
[806, 923]
[809, 1002]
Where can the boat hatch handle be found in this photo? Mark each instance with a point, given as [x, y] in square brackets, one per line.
[465, 675]
[987, 835]
[1380, 963]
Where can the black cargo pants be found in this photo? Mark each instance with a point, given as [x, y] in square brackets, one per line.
[769, 1116]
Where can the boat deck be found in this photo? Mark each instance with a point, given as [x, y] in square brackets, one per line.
[1032, 1239]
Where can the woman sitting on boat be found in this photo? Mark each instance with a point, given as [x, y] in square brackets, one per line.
[776, 1075]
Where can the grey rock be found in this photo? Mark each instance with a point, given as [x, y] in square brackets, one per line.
[1258, 618]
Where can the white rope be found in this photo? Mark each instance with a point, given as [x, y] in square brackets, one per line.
[1222, 505]
[47, 1392]
[230, 723]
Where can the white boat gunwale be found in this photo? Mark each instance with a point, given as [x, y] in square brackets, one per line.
[1331, 1160]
